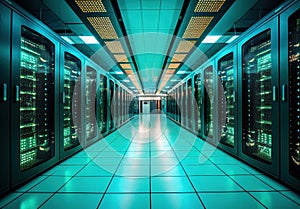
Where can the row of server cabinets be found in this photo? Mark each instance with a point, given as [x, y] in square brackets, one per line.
[53, 101]
[246, 99]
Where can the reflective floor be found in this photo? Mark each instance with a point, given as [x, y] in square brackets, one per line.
[152, 163]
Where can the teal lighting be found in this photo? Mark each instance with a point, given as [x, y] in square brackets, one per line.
[147, 23]
[89, 39]
[181, 72]
[211, 39]
[67, 39]
[231, 39]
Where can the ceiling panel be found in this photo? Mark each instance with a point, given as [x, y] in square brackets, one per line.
[151, 4]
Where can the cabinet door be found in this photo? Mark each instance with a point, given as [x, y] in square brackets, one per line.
[102, 104]
[259, 98]
[290, 95]
[208, 102]
[71, 101]
[199, 101]
[90, 117]
[226, 101]
[35, 99]
[5, 31]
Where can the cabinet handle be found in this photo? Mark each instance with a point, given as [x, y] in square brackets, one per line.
[234, 96]
[4, 92]
[63, 97]
[17, 93]
[274, 93]
[283, 89]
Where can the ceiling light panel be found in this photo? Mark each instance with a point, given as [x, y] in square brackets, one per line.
[174, 65]
[178, 57]
[89, 6]
[185, 46]
[129, 72]
[125, 66]
[197, 26]
[209, 5]
[104, 27]
[121, 57]
[114, 46]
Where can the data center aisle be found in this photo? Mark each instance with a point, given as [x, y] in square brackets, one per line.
[152, 163]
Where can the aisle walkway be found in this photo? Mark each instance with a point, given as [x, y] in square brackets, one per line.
[152, 163]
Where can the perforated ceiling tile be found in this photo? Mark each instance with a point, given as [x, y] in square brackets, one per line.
[125, 66]
[89, 6]
[197, 26]
[121, 57]
[129, 72]
[104, 27]
[185, 46]
[170, 71]
[209, 5]
[178, 57]
[114, 46]
[174, 65]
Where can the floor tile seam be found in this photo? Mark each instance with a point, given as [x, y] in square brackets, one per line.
[101, 199]
[281, 192]
[186, 174]
[277, 190]
[62, 185]
[241, 186]
[69, 179]
[47, 176]
[219, 169]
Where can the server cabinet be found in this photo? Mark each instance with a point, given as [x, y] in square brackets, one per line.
[117, 106]
[111, 104]
[199, 102]
[183, 104]
[190, 109]
[90, 123]
[121, 105]
[227, 112]
[5, 31]
[71, 102]
[35, 99]
[208, 104]
[101, 107]
[290, 95]
[259, 98]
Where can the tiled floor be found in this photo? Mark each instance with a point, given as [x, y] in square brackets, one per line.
[152, 163]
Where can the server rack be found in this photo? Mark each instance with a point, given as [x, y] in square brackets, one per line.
[190, 119]
[227, 101]
[290, 97]
[34, 106]
[112, 105]
[208, 103]
[258, 96]
[198, 92]
[71, 107]
[90, 124]
[101, 108]
[117, 106]
[5, 98]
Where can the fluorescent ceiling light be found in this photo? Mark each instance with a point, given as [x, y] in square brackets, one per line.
[173, 80]
[89, 39]
[126, 81]
[67, 39]
[181, 72]
[231, 39]
[210, 39]
[119, 72]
